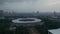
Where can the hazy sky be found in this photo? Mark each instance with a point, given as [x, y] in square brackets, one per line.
[30, 5]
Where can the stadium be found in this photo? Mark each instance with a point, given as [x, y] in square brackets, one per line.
[26, 22]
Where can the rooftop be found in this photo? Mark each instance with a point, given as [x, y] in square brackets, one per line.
[26, 20]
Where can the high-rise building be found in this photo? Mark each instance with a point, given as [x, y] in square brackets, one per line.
[37, 13]
[55, 13]
[1, 14]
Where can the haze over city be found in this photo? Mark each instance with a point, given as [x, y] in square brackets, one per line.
[30, 5]
[29, 16]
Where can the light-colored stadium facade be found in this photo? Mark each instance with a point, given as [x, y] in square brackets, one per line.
[26, 22]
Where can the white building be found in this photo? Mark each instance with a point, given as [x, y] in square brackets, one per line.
[55, 31]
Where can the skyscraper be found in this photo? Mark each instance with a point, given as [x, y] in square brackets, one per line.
[55, 13]
[1, 14]
[37, 13]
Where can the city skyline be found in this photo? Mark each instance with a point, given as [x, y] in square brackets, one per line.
[30, 5]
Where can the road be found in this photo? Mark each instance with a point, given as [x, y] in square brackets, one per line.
[33, 31]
